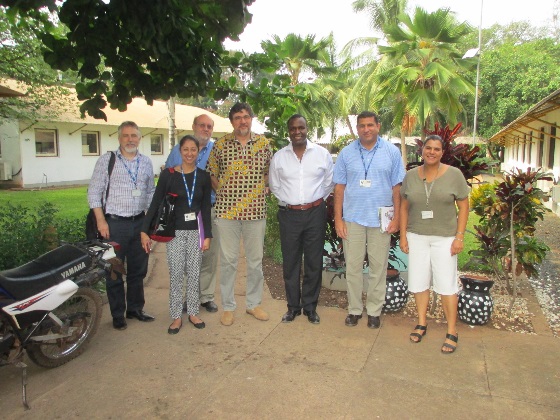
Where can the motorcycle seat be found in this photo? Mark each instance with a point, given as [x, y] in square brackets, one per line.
[45, 271]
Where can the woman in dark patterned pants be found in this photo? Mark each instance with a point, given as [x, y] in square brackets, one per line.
[184, 252]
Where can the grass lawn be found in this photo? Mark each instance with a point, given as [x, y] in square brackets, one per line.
[71, 202]
[470, 241]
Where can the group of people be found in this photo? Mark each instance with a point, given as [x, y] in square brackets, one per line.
[221, 186]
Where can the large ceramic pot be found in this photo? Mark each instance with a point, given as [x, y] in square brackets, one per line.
[475, 303]
[396, 294]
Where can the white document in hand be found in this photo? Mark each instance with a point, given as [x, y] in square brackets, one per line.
[385, 217]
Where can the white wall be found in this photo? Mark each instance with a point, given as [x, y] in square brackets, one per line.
[70, 166]
[9, 138]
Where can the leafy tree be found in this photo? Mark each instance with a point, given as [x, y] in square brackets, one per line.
[382, 12]
[124, 49]
[21, 60]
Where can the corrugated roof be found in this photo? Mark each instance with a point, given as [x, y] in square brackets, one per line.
[146, 116]
[520, 125]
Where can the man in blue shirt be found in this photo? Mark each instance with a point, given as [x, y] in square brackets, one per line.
[203, 126]
[368, 175]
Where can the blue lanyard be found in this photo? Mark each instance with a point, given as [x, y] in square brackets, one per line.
[190, 194]
[133, 177]
[366, 169]
[201, 155]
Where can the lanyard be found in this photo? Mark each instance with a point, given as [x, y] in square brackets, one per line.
[190, 194]
[201, 155]
[133, 177]
[366, 169]
[429, 192]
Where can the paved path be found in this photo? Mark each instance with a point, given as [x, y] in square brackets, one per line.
[271, 370]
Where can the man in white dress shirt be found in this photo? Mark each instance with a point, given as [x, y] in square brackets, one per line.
[300, 177]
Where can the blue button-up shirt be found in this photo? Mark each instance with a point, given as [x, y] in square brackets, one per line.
[175, 159]
[386, 170]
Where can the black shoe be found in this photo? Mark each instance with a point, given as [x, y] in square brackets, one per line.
[290, 316]
[119, 323]
[199, 325]
[352, 320]
[210, 306]
[140, 316]
[173, 331]
[373, 321]
[312, 316]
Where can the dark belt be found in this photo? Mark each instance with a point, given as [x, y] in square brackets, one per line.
[115, 217]
[304, 206]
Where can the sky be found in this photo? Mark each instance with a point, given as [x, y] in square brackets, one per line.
[320, 17]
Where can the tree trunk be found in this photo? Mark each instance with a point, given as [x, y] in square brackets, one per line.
[171, 120]
[403, 148]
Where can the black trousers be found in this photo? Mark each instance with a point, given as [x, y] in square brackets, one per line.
[127, 234]
[302, 233]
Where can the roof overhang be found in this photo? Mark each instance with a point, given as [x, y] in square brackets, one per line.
[522, 125]
[6, 92]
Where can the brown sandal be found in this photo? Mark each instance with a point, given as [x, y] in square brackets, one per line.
[454, 338]
[422, 328]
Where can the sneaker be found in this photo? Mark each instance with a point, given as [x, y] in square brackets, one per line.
[258, 313]
[227, 318]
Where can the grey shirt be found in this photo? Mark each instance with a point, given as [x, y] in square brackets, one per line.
[448, 188]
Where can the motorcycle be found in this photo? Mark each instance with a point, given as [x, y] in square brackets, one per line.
[48, 307]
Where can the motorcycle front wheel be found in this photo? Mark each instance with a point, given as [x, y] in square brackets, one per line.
[80, 316]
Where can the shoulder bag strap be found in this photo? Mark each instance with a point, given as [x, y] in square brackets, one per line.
[110, 170]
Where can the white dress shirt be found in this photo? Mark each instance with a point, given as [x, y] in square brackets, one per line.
[301, 182]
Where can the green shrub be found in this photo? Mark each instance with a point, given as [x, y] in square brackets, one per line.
[482, 197]
[30, 232]
[272, 246]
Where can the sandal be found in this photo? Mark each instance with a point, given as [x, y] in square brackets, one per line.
[419, 336]
[454, 338]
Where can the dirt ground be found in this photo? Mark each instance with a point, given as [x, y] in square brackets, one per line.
[520, 321]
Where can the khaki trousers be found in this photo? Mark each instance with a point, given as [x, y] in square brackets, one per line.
[360, 239]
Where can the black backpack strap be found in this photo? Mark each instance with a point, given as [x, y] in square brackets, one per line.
[110, 170]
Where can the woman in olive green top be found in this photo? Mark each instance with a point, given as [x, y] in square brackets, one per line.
[432, 235]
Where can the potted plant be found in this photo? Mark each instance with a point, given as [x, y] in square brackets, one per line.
[508, 213]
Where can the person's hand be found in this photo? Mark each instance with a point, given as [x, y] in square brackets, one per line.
[206, 244]
[103, 228]
[340, 227]
[403, 244]
[393, 226]
[146, 242]
[456, 246]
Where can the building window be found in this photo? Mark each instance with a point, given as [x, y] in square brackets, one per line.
[552, 147]
[540, 152]
[90, 143]
[46, 142]
[156, 144]
[529, 148]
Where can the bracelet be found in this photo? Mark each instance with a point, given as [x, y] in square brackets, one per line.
[460, 233]
[458, 239]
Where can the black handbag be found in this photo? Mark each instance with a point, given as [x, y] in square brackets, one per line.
[162, 226]
[91, 221]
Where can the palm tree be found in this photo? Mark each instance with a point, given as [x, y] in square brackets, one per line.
[382, 12]
[421, 73]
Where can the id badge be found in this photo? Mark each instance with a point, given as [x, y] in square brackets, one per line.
[365, 183]
[427, 214]
[190, 216]
[136, 193]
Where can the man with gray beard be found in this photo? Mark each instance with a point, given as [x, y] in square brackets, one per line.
[119, 219]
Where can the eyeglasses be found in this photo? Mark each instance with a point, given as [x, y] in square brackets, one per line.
[207, 126]
[242, 117]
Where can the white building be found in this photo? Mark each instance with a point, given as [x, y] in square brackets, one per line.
[531, 141]
[63, 151]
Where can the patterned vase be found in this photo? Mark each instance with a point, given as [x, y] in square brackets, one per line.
[475, 303]
[396, 294]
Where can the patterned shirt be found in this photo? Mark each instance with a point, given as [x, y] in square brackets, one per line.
[241, 172]
[128, 175]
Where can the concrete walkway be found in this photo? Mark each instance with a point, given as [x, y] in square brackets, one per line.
[256, 369]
